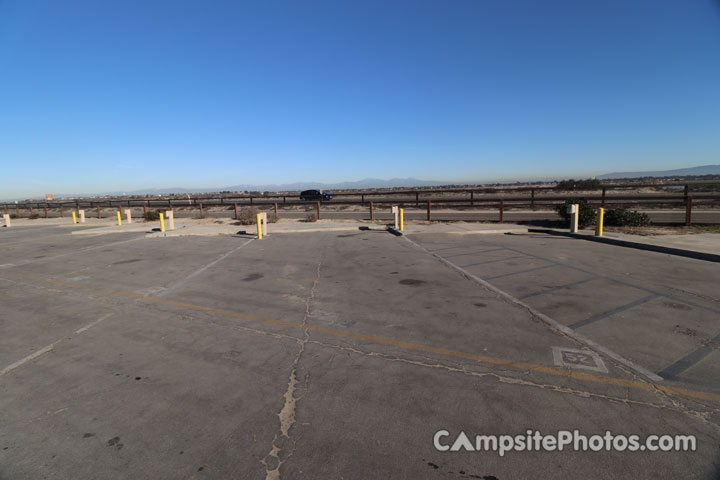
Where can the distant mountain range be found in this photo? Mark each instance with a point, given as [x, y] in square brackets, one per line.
[377, 183]
[701, 170]
[283, 187]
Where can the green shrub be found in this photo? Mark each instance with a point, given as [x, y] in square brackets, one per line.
[13, 216]
[622, 217]
[311, 217]
[587, 213]
[572, 184]
[33, 216]
[152, 215]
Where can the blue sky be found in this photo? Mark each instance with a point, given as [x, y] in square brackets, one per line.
[122, 95]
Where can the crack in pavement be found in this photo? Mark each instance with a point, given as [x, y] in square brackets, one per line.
[672, 403]
[282, 440]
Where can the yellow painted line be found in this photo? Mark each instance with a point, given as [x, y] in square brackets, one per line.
[559, 372]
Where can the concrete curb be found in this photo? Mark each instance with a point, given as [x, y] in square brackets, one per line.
[709, 257]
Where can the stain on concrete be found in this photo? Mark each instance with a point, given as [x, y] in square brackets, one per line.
[252, 277]
[677, 306]
[121, 262]
[412, 282]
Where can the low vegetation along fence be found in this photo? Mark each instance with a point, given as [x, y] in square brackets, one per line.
[461, 199]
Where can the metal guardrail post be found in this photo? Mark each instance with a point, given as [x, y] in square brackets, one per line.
[371, 211]
[688, 211]
[428, 210]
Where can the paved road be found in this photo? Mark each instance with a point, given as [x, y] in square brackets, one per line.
[331, 355]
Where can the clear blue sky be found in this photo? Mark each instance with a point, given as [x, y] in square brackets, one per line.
[122, 95]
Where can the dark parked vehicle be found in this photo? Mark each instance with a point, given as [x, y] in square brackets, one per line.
[315, 196]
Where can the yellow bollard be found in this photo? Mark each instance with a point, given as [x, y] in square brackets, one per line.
[599, 226]
[402, 219]
[259, 224]
[119, 219]
[162, 223]
[74, 218]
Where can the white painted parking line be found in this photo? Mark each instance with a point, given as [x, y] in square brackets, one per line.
[48, 348]
[197, 272]
[85, 249]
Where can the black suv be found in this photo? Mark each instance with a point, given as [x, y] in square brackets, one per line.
[314, 196]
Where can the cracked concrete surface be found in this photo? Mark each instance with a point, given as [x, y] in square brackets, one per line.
[198, 393]
[273, 460]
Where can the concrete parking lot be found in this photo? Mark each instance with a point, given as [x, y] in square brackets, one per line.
[341, 354]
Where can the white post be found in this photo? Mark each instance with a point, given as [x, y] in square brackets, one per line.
[128, 215]
[264, 221]
[171, 219]
[395, 211]
[6, 217]
[573, 210]
[82, 216]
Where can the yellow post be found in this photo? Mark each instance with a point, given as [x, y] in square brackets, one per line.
[119, 219]
[259, 224]
[162, 222]
[402, 219]
[74, 218]
[599, 226]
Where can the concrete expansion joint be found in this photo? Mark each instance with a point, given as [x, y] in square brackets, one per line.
[283, 445]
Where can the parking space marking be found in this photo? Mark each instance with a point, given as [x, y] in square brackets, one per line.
[48, 348]
[614, 311]
[84, 249]
[559, 287]
[537, 368]
[521, 271]
[492, 261]
[182, 282]
[606, 277]
[582, 359]
[672, 371]
[474, 253]
[554, 324]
